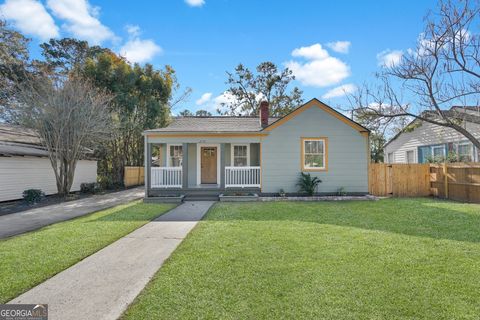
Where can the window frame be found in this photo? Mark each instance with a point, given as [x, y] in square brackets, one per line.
[169, 156]
[438, 146]
[406, 156]
[232, 154]
[325, 153]
[465, 143]
[393, 157]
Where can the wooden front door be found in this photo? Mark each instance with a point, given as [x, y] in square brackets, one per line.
[208, 164]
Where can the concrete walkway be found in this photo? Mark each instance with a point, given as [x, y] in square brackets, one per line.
[104, 284]
[21, 222]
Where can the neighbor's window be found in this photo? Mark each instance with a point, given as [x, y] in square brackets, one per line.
[438, 152]
[176, 156]
[390, 157]
[314, 154]
[410, 156]
[465, 152]
[240, 155]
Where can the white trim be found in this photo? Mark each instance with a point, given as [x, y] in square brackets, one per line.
[465, 143]
[415, 160]
[388, 157]
[199, 169]
[167, 164]
[323, 140]
[232, 146]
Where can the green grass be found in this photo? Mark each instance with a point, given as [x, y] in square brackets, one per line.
[31, 258]
[390, 259]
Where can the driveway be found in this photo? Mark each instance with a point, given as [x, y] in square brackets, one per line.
[21, 222]
[103, 285]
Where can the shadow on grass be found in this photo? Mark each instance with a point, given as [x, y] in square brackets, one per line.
[421, 217]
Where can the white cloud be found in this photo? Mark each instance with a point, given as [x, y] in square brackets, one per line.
[389, 58]
[138, 50]
[320, 70]
[340, 91]
[81, 19]
[313, 52]
[204, 98]
[30, 17]
[195, 3]
[133, 30]
[339, 46]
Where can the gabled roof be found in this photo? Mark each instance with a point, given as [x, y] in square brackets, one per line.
[317, 103]
[466, 113]
[239, 124]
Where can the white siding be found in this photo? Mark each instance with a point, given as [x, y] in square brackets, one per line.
[20, 173]
[424, 135]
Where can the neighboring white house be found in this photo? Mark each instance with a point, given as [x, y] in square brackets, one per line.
[24, 164]
[422, 141]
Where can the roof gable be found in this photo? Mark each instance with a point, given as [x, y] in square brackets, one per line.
[317, 103]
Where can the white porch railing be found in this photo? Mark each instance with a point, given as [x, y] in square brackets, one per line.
[166, 177]
[242, 177]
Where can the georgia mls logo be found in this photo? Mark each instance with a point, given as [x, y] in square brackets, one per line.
[23, 312]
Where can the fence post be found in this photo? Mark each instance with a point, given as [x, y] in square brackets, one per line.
[445, 182]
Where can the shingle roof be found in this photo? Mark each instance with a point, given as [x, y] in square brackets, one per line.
[19, 141]
[214, 124]
[18, 134]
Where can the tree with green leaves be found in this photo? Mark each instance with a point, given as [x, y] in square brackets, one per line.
[141, 97]
[203, 113]
[62, 56]
[186, 113]
[14, 61]
[268, 82]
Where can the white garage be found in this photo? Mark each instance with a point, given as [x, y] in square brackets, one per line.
[24, 165]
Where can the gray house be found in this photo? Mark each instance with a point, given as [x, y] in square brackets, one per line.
[206, 156]
[422, 142]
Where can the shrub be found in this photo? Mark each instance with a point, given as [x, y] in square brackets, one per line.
[32, 196]
[282, 193]
[341, 192]
[91, 187]
[307, 184]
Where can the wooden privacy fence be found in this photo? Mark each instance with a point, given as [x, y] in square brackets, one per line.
[133, 176]
[456, 181]
[400, 180]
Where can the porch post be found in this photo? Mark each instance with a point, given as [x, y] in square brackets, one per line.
[222, 166]
[148, 165]
[185, 166]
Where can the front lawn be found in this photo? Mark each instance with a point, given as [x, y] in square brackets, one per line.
[389, 259]
[31, 258]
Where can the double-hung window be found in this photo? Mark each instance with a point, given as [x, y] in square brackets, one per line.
[175, 155]
[410, 156]
[438, 152]
[240, 155]
[465, 152]
[314, 154]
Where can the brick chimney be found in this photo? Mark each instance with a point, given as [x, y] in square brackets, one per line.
[263, 114]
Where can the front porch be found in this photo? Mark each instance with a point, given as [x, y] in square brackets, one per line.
[201, 170]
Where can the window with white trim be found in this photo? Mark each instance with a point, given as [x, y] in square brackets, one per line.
[438, 152]
[314, 154]
[175, 155]
[390, 158]
[410, 156]
[465, 152]
[240, 155]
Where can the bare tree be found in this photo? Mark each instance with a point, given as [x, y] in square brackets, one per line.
[70, 117]
[442, 71]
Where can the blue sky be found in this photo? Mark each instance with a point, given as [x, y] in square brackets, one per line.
[332, 46]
